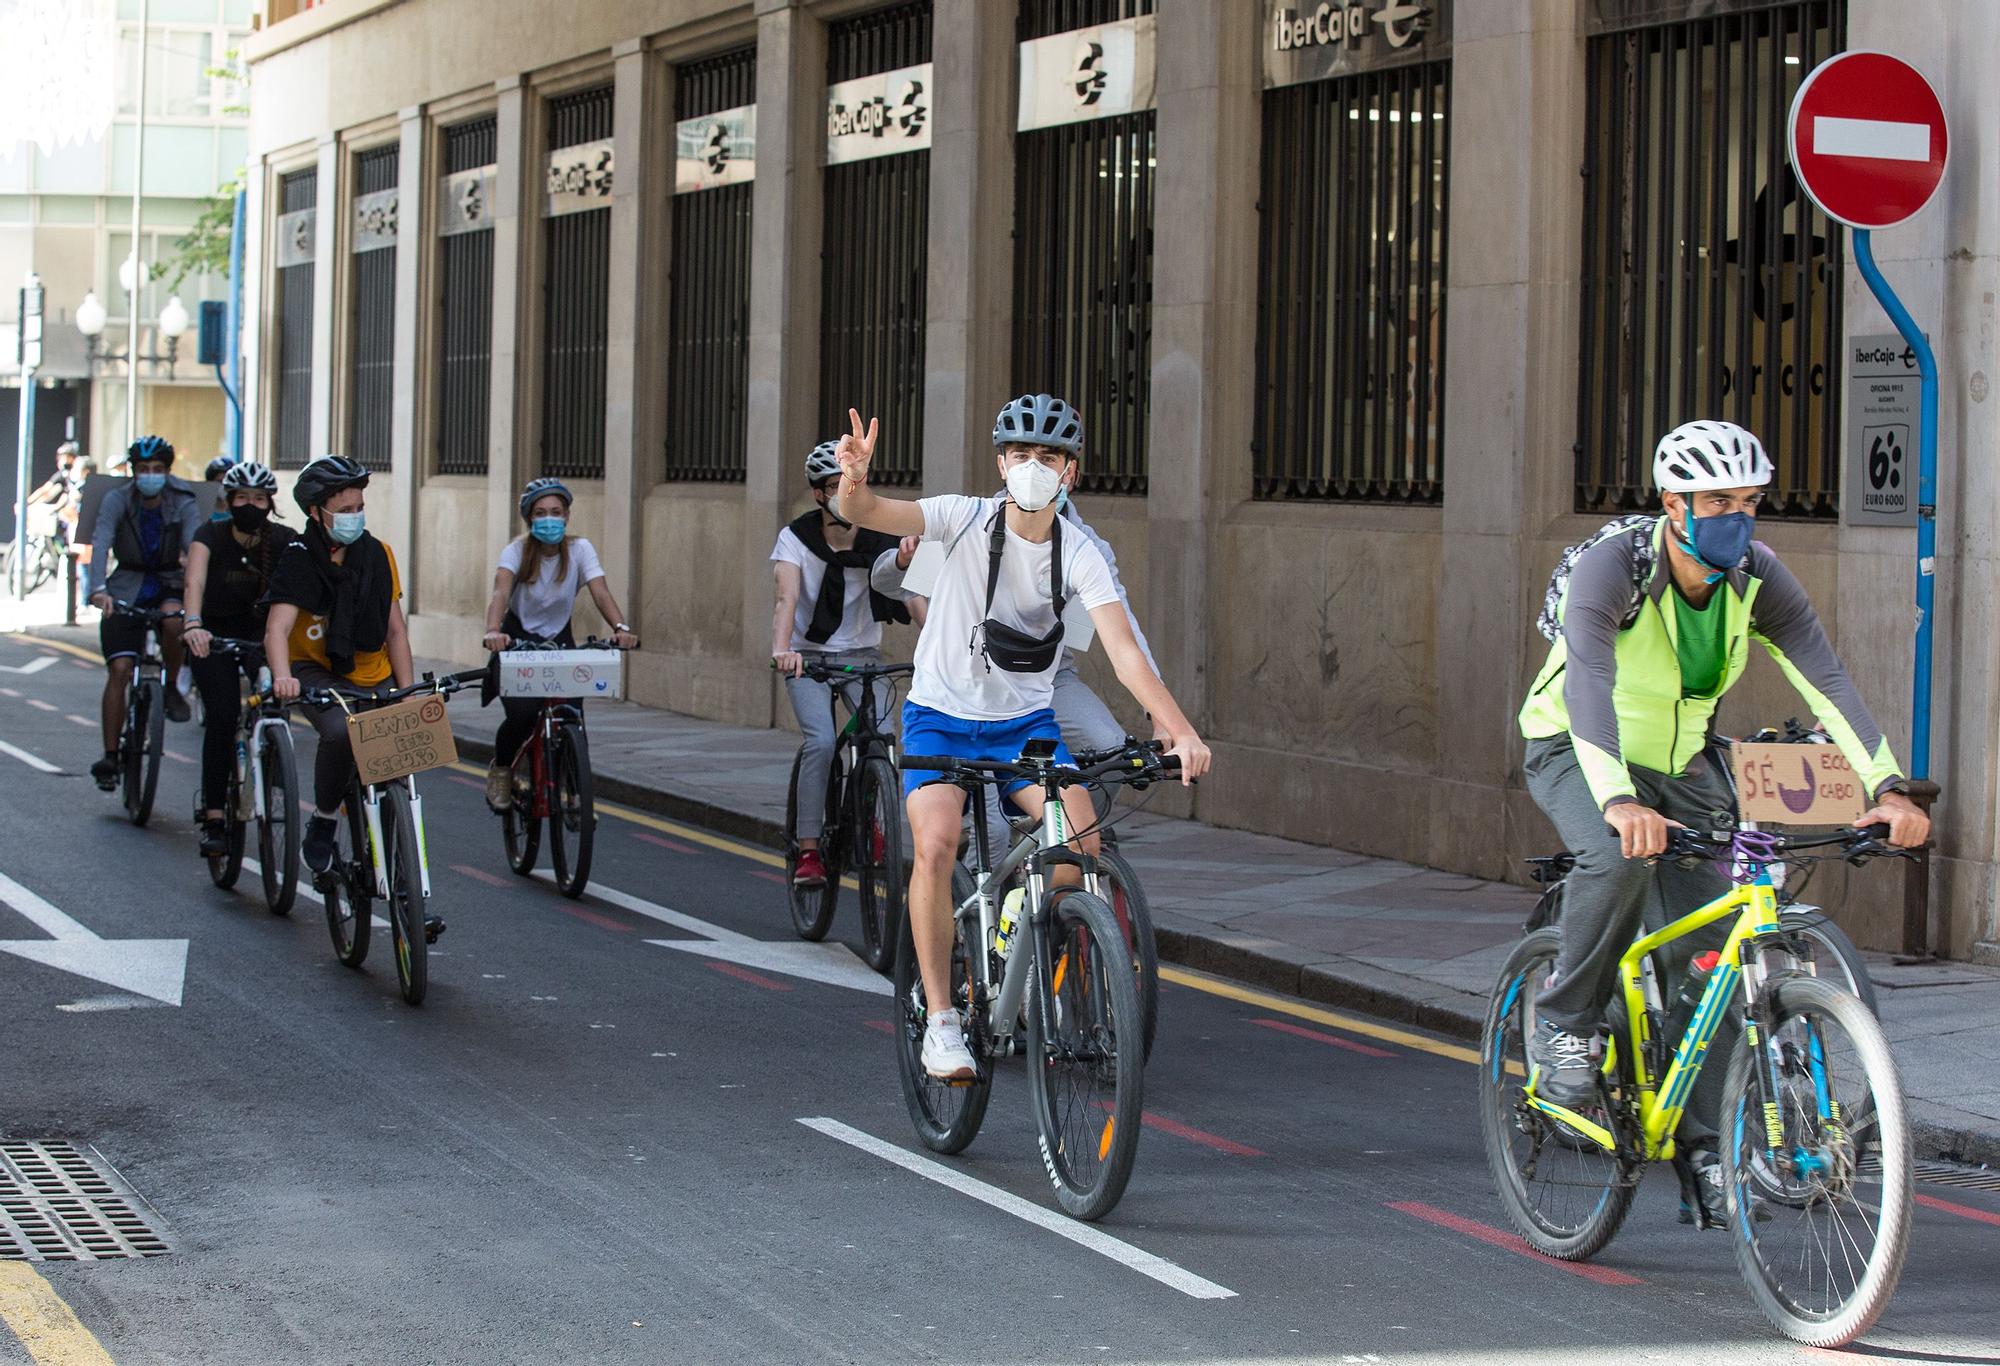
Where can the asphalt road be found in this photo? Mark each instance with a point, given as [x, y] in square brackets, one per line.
[587, 1146]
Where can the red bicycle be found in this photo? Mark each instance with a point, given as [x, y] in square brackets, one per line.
[552, 787]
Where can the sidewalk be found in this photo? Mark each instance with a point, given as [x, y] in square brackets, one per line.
[1397, 941]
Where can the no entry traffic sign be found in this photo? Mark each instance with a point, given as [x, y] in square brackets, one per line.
[1867, 139]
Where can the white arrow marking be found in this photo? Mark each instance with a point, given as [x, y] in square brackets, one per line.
[33, 666]
[1878, 139]
[146, 967]
[32, 761]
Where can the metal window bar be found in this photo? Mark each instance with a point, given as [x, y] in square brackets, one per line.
[708, 308]
[1046, 18]
[1083, 283]
[575, 307]
[297, 191]
[465, 306]
[881, 40]
[1711, 284]
[374, 325]
[1351, 297]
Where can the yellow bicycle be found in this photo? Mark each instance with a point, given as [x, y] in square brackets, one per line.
[1815, 1143]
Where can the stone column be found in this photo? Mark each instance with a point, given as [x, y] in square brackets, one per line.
[413, 224]
[328, 279]
[631, 363]
[515, 215]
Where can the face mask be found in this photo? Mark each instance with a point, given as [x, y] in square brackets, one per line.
[347, 527]
[1032, 485]
[248, 517]
[1719, 542]
[150, 485]
[219, 515]
[1062, 501]
[548, 530]
[826, 506]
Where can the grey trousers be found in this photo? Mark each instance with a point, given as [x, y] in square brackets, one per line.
[1608, 897]
[813, 702]
[1086, 724]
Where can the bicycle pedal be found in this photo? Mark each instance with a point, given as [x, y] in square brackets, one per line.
[433, 927]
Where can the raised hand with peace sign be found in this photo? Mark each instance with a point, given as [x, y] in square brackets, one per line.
[855, 500]
[857, 450]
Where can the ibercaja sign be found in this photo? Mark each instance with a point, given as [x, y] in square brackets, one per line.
[1797, 784]
[578, 178]
[1313, 42]
[879, 116]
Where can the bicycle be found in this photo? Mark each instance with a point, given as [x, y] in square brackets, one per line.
[381, 857]
[143, 737]
[43, 548]
[1813, 1114]
[263, 787]
[1086, 1089]
[864, 816]
[552, 783]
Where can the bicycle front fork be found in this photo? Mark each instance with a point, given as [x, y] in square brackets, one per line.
[371, 804]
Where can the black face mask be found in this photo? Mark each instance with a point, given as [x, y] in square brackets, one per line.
[249, 518]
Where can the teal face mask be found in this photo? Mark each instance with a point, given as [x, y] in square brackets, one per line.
[348, 526]
[219, 515]
[548, 530]
[150, 485]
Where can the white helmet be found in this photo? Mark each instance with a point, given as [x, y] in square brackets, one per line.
[1710, 455]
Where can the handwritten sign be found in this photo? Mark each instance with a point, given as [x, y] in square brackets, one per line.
[407, 737]
[561, 673]
[1797, 785]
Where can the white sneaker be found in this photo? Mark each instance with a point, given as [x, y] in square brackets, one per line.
[499, 787]
[945, 1055]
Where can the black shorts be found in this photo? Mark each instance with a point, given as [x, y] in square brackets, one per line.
[122, 636]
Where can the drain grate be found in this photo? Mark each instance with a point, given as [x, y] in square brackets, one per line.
[1951, 1174]
[60, 1203]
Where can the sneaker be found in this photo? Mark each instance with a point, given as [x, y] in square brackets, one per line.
[214, 838]
[809, 871]
[499, 787]
[1705, 1168]
[945, 1055]
[177, 705]
[105, 771]
[318, 844]
[1564, 1065]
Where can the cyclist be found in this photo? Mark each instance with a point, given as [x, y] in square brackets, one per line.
[335, 622]
[147, 522]
[217, 471]
[534, 594]
[826, 615]
[987, 657]
[1619, 727]
[228, 571]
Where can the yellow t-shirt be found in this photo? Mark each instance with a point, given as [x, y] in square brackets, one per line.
[308, 640]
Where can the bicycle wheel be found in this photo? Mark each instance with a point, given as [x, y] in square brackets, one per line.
[877, 842]
[146, 737]
[1565, 1194]
[348, 908]
[1832, 1209]
[401, 859]
[947, 1115]
[278, 831]
[573, 820]
[1825, 951]
[1135, 921]
[813, 907]
[1084, 1067]
[520, 827]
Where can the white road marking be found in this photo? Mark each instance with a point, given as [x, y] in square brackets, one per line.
[145, 967]
[306, 889]
[40, 765]
[1878, 139]
[33, 666]
[1084, 1235]
[79, 720]
[40, 705]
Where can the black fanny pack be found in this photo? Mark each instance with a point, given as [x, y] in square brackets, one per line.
[1007, 647]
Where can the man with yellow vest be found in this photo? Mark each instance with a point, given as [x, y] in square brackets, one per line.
[1654, 627]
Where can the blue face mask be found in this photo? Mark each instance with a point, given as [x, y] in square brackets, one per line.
[219, 515]
[150, 485]
[347, 527]
[548, 530]
[1720, 542]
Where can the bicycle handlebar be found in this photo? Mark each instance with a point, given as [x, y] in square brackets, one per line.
[1135, 763]
[1854, 845]
[151, 615]
[832, 673]
[442, 687]
[530, 643]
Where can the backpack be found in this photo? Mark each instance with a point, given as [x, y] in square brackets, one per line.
[1639, 529]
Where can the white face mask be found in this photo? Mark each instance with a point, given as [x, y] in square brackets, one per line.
[1032, 485]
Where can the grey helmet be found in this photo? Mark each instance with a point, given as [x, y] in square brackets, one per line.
[822, 463]
[1039, 420]
[249, 475]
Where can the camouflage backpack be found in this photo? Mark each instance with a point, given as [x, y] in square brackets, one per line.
[1639, 529]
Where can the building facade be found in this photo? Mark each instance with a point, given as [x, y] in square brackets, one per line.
[1369, 309]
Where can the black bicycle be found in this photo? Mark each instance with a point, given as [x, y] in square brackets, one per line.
[143, 737]
[263, 787]
[552, 785]
[864, 815]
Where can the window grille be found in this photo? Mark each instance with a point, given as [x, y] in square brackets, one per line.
[465, 309]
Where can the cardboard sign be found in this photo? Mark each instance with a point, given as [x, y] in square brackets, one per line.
[1797, 785]
[406, 737]
[561, 673]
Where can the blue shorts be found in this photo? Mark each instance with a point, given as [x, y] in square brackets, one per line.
[926, 731]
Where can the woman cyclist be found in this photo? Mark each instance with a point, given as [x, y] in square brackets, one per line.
[228, 571]
[336, 622]
[534, 594]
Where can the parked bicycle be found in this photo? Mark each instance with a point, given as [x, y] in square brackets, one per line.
[864, 814]
[1816, 1156]
[143, 737]
[379, 853]
[263, 787]
[1074, 978]
[553, 787]
[41, 546]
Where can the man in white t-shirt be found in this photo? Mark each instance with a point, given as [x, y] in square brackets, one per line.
[987, 658]
[826, 614]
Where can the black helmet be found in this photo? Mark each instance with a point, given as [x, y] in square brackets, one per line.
[325, 477]
[216, 468]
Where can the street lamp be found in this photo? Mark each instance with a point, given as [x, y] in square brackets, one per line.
[173, 324]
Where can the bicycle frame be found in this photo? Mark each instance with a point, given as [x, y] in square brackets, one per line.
[371, 805]
[555, 714]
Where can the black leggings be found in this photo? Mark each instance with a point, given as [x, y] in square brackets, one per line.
[522, 712]
[221, 707]
[333, 759]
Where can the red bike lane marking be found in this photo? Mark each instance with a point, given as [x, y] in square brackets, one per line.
[603, 922]
[879, 1026]
[675, 845]
[479, 875]
[755, 979]
[1302, 1032]
[1149, 1120]
[1962, 1211]
[1510, 1242]
[770, 876]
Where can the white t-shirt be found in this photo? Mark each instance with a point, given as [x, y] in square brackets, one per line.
[545, 606]
[858, 628]
[953, 675]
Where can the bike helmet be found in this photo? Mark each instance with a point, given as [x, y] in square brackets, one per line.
[1710, 455]
[541, 488]
[217, 468]
[1039, 420]
[325, 477]
[249, 475]
[823, 463]
[150, 448]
